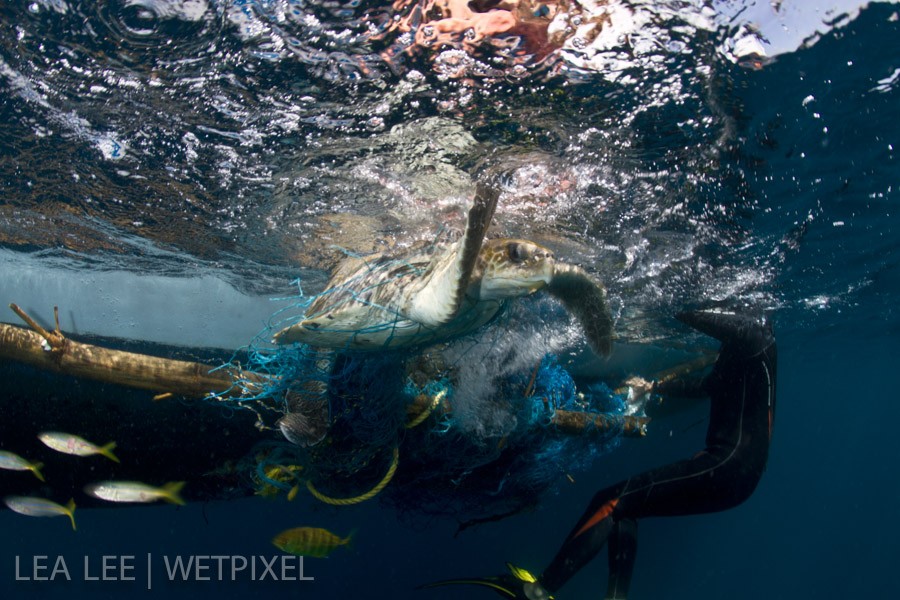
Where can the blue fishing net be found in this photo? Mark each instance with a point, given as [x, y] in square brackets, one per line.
[449, 471]
[406, 413]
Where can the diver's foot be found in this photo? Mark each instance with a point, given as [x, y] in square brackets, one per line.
[751, 334]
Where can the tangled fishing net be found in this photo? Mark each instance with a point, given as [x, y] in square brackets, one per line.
[466, 429]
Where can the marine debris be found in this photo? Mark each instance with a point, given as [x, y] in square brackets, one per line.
[396, 429]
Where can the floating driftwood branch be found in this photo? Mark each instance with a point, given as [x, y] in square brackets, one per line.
[52, 351]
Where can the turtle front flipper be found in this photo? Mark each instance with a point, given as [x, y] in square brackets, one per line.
[585, 299]
[441, 295]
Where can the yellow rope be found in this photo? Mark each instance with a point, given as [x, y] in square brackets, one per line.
[435, 401]
[362, 498]
[420, 418]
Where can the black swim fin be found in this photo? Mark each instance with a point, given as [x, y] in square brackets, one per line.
[516, 585]
[752, 334]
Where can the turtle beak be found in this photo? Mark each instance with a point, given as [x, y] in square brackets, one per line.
[539, 274]
[540, 270]
[516, 283]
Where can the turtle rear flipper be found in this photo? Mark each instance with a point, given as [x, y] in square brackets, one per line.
[441, 296]
[585, 299]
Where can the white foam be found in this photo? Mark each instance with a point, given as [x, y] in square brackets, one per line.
[515, 345]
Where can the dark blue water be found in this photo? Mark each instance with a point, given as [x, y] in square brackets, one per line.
[783, 194]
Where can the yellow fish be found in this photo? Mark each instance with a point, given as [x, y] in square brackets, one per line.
[309, 541]
[14, 462]
[293, 493]
[72, 444]
[39, 507]
[135, 491]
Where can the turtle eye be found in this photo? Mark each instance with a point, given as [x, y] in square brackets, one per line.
[518, 253]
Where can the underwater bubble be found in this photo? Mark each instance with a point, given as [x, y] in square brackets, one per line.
[138, 20]
[676, 46]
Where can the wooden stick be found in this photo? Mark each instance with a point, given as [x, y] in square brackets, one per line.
[573, 422]
[567, 421]
[113, 366]
[56, 340]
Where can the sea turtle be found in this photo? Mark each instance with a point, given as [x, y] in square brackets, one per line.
[445, 290]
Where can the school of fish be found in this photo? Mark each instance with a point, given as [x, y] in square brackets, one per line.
[301, 541]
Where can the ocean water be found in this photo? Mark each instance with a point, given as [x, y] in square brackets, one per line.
[169, 166]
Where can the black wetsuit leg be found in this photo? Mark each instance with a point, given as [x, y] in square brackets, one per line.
[622, 551]
[741, 388]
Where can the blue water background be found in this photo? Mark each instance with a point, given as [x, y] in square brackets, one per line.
[824, 522]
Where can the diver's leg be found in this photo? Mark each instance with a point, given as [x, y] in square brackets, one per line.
[622, 552]
[586, 538]
[676, 486]
[742, 394]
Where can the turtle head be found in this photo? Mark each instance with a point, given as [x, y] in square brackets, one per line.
[510, 268]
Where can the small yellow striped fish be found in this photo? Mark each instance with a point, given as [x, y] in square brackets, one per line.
[72, 444]
[39, 507]
[309, 541]
[135, 491]
[14, 462]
